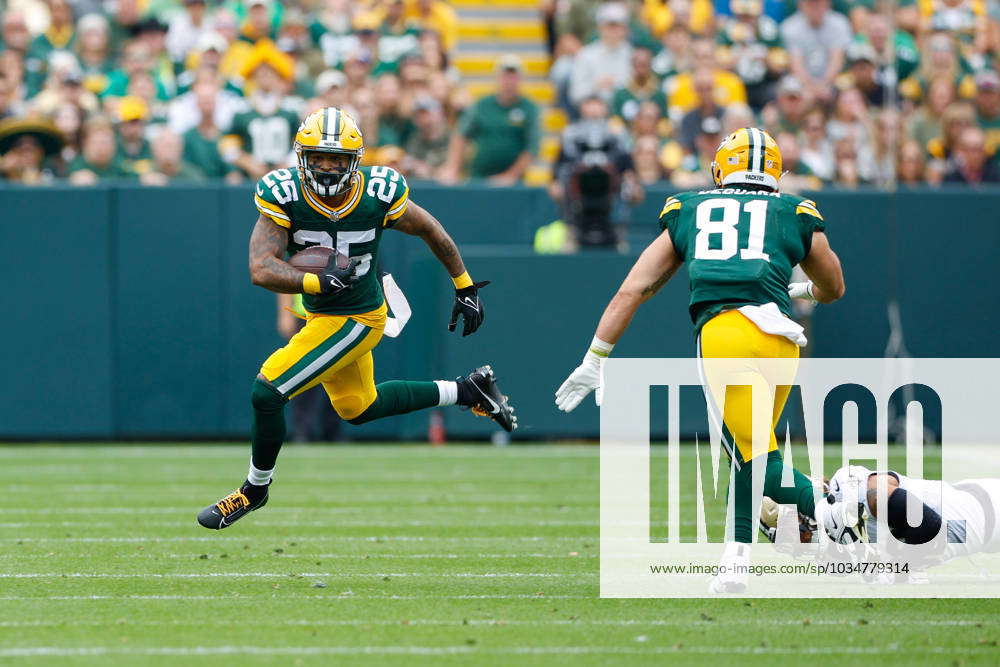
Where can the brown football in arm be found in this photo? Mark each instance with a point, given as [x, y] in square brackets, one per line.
[314, 259]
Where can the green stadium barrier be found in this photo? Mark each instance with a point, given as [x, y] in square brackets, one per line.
[129, 312]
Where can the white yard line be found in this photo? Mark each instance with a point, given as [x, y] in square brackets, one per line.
[312, 538]
[286, 575]
[502, 622]
[347, 595]
[466, 650]
[332, 523]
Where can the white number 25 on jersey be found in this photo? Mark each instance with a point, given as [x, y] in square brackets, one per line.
[709, 225]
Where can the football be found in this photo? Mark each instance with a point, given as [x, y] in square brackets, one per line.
[314, 259]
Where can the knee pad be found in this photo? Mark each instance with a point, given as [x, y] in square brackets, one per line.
[265, 397]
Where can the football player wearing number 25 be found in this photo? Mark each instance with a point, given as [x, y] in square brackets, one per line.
[741, 241]
[329, 200]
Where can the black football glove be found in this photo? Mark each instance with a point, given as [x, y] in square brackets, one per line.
[335, 279]
[468, 305]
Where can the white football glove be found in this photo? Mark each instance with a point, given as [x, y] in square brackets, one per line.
[583, 380]
[802, 291]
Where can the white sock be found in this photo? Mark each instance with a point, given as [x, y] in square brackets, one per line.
[259, 477]
[447, 392]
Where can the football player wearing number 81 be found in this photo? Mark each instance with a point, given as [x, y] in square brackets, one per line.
[741, 240]
[329, 200]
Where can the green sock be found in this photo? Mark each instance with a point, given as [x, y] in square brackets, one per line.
[267, 430]
[800, 495]
[397, 397]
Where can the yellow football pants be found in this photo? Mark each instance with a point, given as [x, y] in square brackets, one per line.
[335, 350]
[730, 335]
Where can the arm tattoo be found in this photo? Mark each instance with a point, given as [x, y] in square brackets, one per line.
[418, 222]
[267, 266]
[660, 282]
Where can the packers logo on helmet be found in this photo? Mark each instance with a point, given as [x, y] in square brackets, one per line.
[750, 156]
[328, 130]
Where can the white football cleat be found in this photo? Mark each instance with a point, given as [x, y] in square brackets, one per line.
[734, 570]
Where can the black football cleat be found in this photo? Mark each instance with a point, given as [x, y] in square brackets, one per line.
[233, 507]
[486, 399]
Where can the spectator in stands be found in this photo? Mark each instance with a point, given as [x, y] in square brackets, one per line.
[646, 160]
[798, 176]
[910, 164]
[503, 129]
[201, 142]
[133, 150]
[332, 31]
[694, 170]
[862, 74]
[876, 32]
[605, 65]
[68, 119]
[971, 164]
[397, 35]
[98, 160]
[988, 107]
[642, 87]
[93, 51]
[850, 120]
[816, 38]
[187, 27]
[750, 44]
[331, 90]
[260, 139]
[434, 16]
[681, 93]
[956, 117]
[14, 34]
[168, 165]
[58, 36]
[816, 147]
[847, 172]
[736, 116]
[394, 124]
[561, 71]
[259, 23]
[427, 147]
[693, 121]
[924, 124]
[674, 56]
[27, 147]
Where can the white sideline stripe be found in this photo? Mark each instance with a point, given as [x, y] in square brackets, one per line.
[310, 538]
[335, 523]
[459, 507]
[501, 622]
[285, 575]
[468, 650]
[323, 359]
[347, 556]
[347, 595]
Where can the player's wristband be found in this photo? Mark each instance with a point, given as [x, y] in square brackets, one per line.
[462, 281]
[310, 284]
[600, 348]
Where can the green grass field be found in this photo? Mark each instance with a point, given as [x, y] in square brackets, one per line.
[384, 555]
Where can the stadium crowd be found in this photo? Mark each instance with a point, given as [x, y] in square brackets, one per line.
[163, 91]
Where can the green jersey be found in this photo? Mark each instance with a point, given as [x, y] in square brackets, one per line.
[266, 137]
[740, 245]
[377, 198]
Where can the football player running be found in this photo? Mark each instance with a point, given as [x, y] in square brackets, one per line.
[741, 241]
[329, 200]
